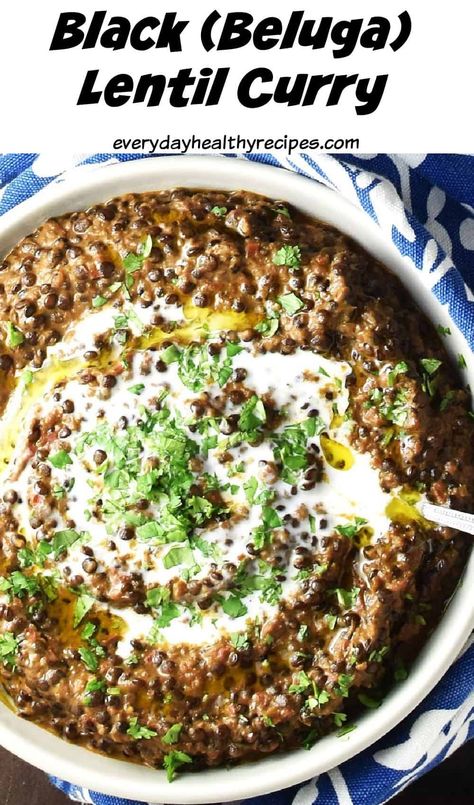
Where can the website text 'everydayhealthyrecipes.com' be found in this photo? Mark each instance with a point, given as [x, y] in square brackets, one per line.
[234, 144]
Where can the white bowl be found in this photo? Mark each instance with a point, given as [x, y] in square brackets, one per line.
[115, 777]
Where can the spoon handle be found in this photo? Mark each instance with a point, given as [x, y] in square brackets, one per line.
[448, 517]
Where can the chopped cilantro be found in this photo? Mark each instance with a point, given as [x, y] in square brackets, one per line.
[368, 701]
[302, 633]
[345, 730]
[8, 649]
[443, 330]
[252, 415]
[89, 658]
[288, 256]
[430, 365]
[447, 400]
[221, 212]
[282, 211]
[197, 367]
[303, 684]
[62, 540]
[377, 655]
[173, 761]
[209, 549]
[60, 460]
[26, 557]
[462, 361]
[344, 682]
[233, 606]
[27, 377]
[138, 731]
[178, 556]
[346, 598]
[400, 673]
[262, 534]
[169, 611]
[137, 389]
[290, 447]
[400, 368]
[93, 686]
[14, 336]
[99, 301]
[133, 262]
[318, 698]
[290, 303]
[170, 355]
[172, 735]
[396, 411]
[310, 739]
[83, 604]
[19, 585]
[157, 596]
[239, 641]
[268, 326]
[351, 530]
[254, 494]
[233, 349]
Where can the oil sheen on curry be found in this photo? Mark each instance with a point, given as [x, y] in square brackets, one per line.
[219, 418]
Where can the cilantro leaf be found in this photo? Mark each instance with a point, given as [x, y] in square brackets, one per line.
[173, 761]
[252, 415]
[233, 606]
[138, 731]
[239, 641]
[178, 556]
[169, 611]
[303, 684]
[268, 327]
[137, 389]
[290, 447]
[443, 330]
[290, 303]
[171, 736]
[9, 645]
[83, 604]
[221, 212]
[60, 460]
[288, 256]
[347, 598]
[400, 368]
[14, 336]
[171, 354]
[63, 540]
[89, 658]
[352, 529]
[99, 301]
[430, 365]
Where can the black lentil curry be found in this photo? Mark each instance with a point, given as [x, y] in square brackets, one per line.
[219, 419]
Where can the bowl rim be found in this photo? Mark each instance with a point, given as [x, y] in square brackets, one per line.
[92, 184]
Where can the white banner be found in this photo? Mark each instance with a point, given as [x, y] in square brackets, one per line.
[264, 76]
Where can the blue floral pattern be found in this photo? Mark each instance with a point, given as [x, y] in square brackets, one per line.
[425, 204]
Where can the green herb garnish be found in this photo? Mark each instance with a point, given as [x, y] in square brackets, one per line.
[172, 735]
[288, 256]
[138, 732]
[14, 336]
[290, 303]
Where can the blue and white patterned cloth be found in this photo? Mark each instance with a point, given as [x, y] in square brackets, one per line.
[425, 204]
